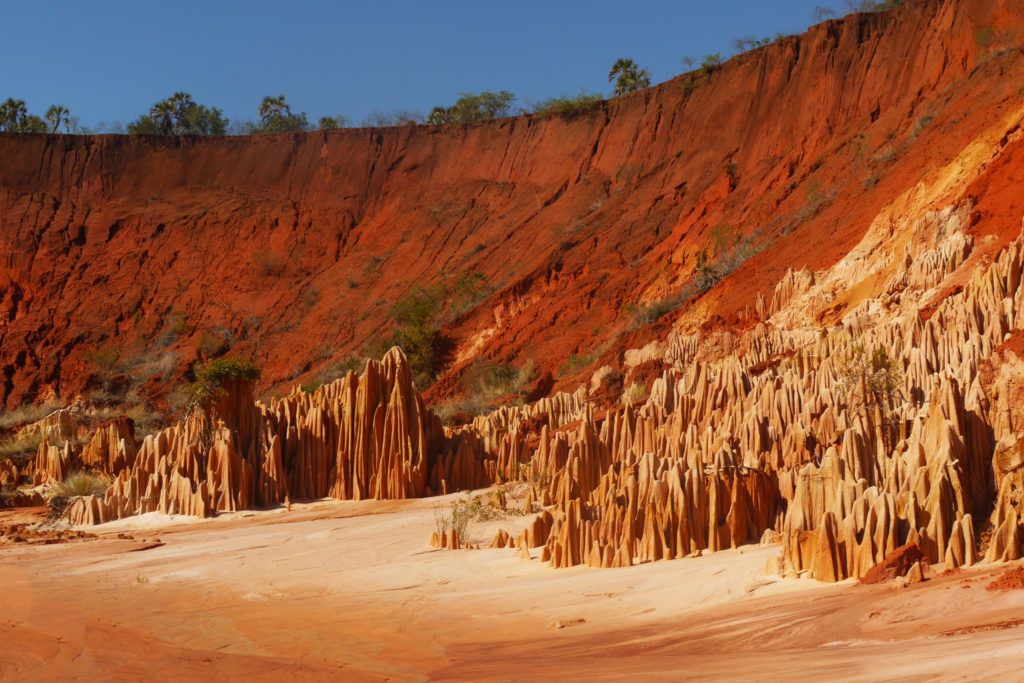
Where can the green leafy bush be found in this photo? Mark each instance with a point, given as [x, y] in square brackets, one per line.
[574, 363]
[179, 114]
[469, 108]
[484, 385]
[872, 383]
[416, 331]
[14, 118]
[570, 107]
[276, 117]
[212, 377]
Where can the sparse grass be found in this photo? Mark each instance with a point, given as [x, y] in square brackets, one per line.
[475, 509]
[11, 447]
[146, 418]
[732, 251]
[442, 521]
[634, 394]
[887, 155]
[269, 264]
[144, 366]
[81, 484]
[485, 385]
[27, 413]
[212, 345]
[921, 124]
[816, 199]
[574, 363]
[570, 107]
[985, 36]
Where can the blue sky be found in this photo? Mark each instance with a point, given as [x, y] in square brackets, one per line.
[110, 60]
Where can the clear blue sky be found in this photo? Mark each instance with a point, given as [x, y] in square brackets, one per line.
[110, 60]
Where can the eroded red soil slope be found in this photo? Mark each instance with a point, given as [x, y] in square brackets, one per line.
[292, 248]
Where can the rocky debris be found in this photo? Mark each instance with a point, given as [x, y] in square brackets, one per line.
[899, 562]
[1011, 579]
[21, 498]
[31, 535]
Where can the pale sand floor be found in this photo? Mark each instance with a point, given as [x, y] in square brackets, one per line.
[352, 590]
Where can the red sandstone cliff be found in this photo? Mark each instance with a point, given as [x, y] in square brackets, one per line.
[293, 247]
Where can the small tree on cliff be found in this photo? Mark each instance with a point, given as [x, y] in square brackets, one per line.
[628, 77]
[276, 117]
[179, 114]
[211, 385]
[469, 108]
[58, 115]
[14, 118]
[873, 385]
[332, 122]
[215, 375]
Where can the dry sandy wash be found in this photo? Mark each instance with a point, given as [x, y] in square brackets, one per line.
[350, 589]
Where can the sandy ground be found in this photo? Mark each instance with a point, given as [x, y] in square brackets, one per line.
[352, 590]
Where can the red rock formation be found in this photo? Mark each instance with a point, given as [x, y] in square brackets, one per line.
[365, 436]
[755, 429]
[291, 246]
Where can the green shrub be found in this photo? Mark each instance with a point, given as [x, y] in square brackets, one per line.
[211, 345]
[469, 290]
[570, 107]
[574, 363]
[469, 108]
[103, 358]
[276, 117]
[416, 331]
[180, 115]
[731, 253]
[648, 314]
[212, 377]
[711, 64]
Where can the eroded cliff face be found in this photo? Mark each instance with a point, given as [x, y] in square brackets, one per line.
[292, 247]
